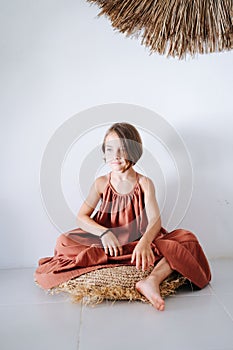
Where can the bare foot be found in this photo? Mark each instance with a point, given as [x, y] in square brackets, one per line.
[149, 287]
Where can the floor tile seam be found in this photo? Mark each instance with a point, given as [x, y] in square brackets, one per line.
[17, 269]
[198, 299]
[192, 295]
[216, 292]
[221, 293]
[224, 307]
[34, 303]
[213, 290]
[80, 326]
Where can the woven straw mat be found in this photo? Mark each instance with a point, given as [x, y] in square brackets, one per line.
[115, 283]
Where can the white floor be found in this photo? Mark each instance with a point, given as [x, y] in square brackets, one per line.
[32, 319]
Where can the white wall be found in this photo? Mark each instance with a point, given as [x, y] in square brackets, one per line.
[58, 59]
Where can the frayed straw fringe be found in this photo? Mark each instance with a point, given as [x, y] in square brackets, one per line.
[174, 27]
[117, 283]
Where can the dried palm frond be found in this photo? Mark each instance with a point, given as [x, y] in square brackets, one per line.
[174, 27]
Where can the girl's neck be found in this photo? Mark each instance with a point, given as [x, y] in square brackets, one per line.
[119, 176]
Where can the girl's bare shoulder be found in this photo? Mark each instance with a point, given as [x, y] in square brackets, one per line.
[146, 183]
[100, 183]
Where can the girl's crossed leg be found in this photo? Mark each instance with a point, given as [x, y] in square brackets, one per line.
[149, 287]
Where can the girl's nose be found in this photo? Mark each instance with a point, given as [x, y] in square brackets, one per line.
[117, 154]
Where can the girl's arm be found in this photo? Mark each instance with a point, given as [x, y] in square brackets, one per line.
[84, 221]
[143, 254]
[109, 241]
[152, 211]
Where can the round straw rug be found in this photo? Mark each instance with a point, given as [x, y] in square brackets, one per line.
[115, 283]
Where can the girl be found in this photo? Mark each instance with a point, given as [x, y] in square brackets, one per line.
[126, 230]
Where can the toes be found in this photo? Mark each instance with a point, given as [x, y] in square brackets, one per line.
[152, 295]
[161, 307]
[159, 304]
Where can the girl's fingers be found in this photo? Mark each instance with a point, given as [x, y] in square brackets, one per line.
[144, 259]
[150, 260]
[120, 250]
[138, 261]
[144, 264]
[114, 247]
[111, 251]
[151, 263]
[115, 251]
[133, 257]
[147, 261]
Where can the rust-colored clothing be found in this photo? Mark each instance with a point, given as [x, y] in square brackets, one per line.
[78, 252]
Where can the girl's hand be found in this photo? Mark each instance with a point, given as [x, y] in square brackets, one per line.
[143, 255]
[111, 244]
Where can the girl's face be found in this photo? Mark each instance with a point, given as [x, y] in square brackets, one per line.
[114, 152]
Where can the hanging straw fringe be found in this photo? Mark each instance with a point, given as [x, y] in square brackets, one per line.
[116, 283]
[174, 27]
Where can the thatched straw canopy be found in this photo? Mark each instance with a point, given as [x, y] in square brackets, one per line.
[174, 27]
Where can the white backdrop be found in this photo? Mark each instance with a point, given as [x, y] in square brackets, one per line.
[58, 59]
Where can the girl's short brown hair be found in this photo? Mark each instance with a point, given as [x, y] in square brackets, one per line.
[131, 142]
